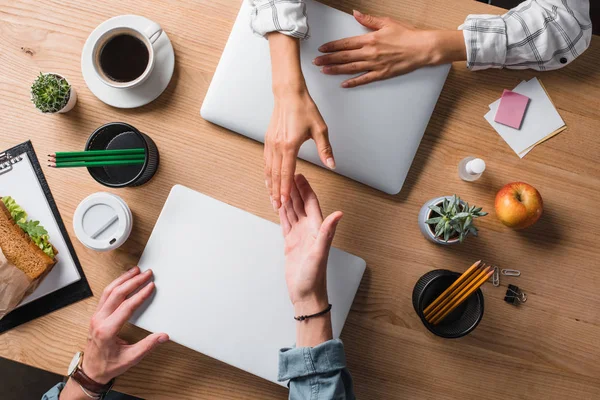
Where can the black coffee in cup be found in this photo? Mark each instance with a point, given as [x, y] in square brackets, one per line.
[124, 57]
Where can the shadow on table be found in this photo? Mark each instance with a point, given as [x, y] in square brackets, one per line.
[20, 381]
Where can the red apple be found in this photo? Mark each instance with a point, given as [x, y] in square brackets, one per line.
[518, 205]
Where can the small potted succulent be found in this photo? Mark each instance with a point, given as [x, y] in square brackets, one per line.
[448, 220]
[51, 93]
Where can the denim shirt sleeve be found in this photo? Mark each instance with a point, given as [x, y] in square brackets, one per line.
[316, 373]
[53, 393]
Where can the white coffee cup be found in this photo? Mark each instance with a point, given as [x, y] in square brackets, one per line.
[147, 36]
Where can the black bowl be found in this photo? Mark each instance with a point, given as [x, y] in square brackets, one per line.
[117, 136]
[462, 320]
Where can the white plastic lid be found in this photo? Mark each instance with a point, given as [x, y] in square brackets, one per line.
[102, 221]
[476, 166]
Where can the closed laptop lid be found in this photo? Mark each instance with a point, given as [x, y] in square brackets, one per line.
[220, 283]
[375, 130]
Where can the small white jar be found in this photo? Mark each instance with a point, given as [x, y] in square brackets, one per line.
[103, 221]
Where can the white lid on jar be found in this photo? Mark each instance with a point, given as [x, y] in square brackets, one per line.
[102, 221]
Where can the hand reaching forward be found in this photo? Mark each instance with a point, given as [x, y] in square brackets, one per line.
[392, 49]
[307, 242]
[295, 120]
[106, 355]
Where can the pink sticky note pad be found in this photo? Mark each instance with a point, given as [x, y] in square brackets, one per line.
[511, 109]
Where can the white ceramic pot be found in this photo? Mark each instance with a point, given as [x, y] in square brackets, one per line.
[425, 214]
[72, 96]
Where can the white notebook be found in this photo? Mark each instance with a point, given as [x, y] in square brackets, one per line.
[20, 181]
[220, 285]
[541, 119]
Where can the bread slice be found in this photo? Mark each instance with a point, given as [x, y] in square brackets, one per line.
[19, 249]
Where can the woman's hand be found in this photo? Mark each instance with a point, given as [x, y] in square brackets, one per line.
[392, 49]
[295, 119]
[307, 242]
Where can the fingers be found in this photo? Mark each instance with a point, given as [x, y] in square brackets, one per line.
[142, 348]
[321, 137]
[327, 232]
[362, 79]
[352, 68]
[268, 175]
[288, 168]
[108, 290]
[340, 57]
[276, 179]
[351, 43]
[286, 227]
[128, 307]
[120, 293]
[291, 213]
[297, 201]
[369, 21]
[311, 203]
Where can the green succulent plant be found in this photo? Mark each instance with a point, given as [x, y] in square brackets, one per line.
[50, 93]
[454, 218]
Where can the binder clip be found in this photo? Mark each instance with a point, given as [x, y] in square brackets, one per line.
[515, 296]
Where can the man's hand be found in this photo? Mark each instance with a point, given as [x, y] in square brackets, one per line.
[106, 355]
[307, 242]
[295, 119]
[392, 49]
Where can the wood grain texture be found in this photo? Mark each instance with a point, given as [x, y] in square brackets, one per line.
[546, 349]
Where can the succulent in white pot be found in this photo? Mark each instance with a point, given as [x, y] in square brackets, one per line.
[448, 220]
[51, 93]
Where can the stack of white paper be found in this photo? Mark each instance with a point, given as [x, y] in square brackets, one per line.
[541, 121]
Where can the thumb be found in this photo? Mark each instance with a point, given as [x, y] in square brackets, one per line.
[369, 21]
[145, 346]
[324, 148]
[327, 231]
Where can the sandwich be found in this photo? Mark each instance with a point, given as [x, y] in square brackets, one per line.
[25, 243]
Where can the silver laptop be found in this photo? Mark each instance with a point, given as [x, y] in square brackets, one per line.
[375, 130]
[220, 283]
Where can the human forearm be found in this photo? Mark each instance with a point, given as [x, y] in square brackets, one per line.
[72, 391]
[313, 331]
[447, 47]
[285, 65]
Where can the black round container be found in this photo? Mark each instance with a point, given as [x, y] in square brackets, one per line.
[462, 320]
[117, 136]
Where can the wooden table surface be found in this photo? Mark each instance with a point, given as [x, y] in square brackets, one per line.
[548, 348]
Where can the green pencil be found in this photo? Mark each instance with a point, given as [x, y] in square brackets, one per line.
[98, 158]
[87, 153]
[87, 164]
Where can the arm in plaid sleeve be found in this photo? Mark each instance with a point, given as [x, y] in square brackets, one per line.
[285, 16]
[538, 34]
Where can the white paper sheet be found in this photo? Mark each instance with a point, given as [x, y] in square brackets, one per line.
[22, 185]
[541, 119]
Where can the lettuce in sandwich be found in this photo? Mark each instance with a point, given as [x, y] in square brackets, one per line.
[36, 232]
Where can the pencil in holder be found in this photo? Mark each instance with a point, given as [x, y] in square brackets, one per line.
[117, 136]
[462, 320]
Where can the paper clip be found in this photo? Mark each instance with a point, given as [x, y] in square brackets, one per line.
[496, 277]
[515, 296]
[511, 272]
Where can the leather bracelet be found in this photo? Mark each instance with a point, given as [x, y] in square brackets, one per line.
[89, 394]
[303, 317]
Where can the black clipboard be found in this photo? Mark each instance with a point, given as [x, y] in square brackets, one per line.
[62, 297]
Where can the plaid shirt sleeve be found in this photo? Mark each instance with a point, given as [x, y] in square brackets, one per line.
[285, 16]
[539, 34]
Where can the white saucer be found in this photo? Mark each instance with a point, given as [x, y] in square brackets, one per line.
[140, 95]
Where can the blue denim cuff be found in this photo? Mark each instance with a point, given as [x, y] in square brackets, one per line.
[53, 393]
[305, 361]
